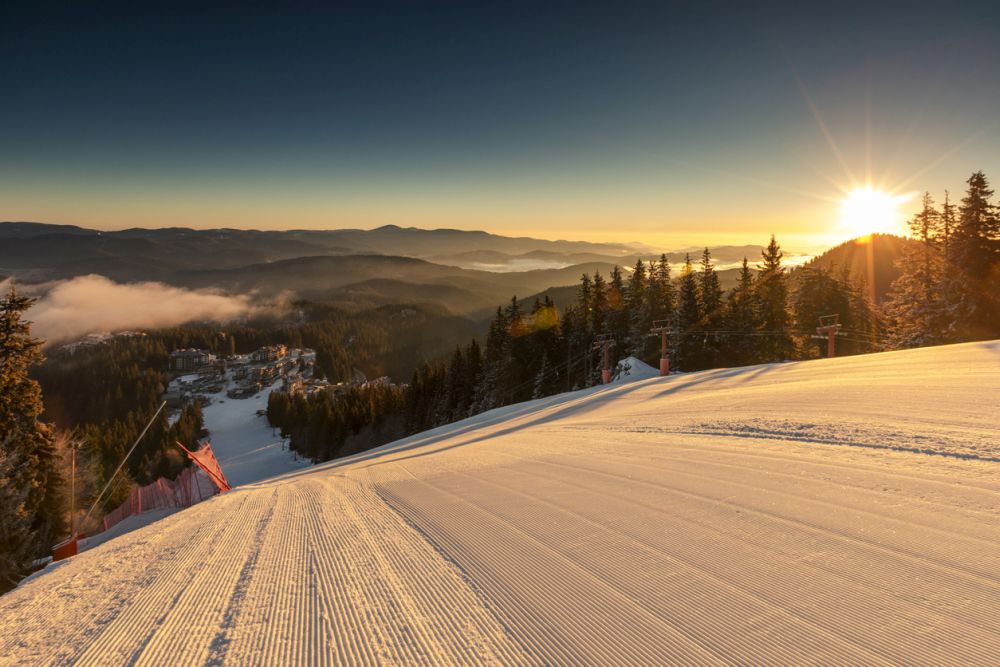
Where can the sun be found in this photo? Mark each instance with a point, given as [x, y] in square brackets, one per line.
[866, 211]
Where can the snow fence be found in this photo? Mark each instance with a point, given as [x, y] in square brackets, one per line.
[191, 487]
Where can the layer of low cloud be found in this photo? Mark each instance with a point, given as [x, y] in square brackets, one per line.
[67, 310]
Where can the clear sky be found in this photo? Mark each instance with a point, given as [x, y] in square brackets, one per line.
[616, 121]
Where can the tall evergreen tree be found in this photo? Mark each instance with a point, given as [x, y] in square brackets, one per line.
[710, 297]
[473, 375]
[772, 294]
[978, 228]
[24, 440]
[742, 318]
[915, 308]
[709, 290]
[689, 345]
[924, 226]
[18, 544]
[585, 300]
[456, 386]
[977, 253]
[660, 290]
[637, 304]
[619, 319]
[946, 230]
[598, 325]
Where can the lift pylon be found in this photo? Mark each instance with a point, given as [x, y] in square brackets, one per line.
[829, 325]
[604, 342]
[663, 327]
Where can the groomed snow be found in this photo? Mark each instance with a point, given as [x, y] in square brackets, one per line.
[841, 511]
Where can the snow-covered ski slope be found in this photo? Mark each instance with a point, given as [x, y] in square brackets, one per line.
[841, 511]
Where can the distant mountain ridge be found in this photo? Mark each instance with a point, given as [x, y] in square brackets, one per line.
[467, 272]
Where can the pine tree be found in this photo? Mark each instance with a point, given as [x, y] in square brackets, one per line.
[619, 320]
[689, 315]
[915, 308]
[660, 290]
[598, 326]
[923, 226]
[18, 544]
[978, 228]
[772, 295]
[638, 308]
[946, 230]
[23, 438]
[584, 298]
[546, 380]
[473, 377]
[710, 298]
[977, 254]
[742, 318]
[599, 305]
[456, 386]
[517, 373]
[709, 292]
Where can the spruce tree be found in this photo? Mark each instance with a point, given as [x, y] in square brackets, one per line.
[708, 285]
[915, 308]
[18, 544]
[978, 228]
[710, 297]
[660, 290]
[977, 253]
[24, 439]
[772, 295]
[456, 386]
[597, 321]
[619, 319]
[689, 314]
[742, 318]
[946, 230]
[473, 376]
[584, 298]
[637, 304]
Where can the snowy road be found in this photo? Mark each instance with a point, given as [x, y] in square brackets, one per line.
[833, 512]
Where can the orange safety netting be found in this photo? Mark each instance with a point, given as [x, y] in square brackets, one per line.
[205, 459]
[191, 487]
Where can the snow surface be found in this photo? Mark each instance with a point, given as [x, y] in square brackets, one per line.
[630, 369]
[248, 449]
[842, 511]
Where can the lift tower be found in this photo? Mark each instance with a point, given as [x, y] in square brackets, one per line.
[663, 327]
[604, 342]
[830, 326]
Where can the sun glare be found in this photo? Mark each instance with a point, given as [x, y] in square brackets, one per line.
[868, 211]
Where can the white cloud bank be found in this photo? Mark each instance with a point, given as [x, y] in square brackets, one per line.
[88, 304]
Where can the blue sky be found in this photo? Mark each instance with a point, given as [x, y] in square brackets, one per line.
[624, 121]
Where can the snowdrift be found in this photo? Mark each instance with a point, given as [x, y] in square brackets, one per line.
[842, 511]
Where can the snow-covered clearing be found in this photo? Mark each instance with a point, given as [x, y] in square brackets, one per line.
[248, 449]
[840, 511]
